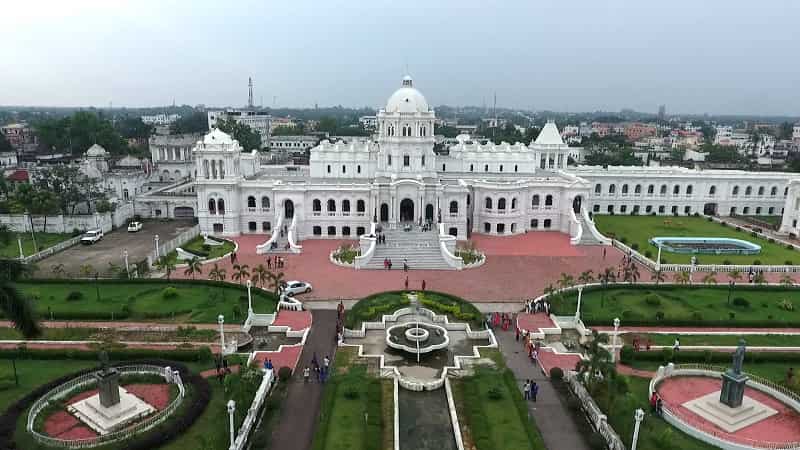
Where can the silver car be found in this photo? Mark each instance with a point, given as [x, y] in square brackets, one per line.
[296, 287]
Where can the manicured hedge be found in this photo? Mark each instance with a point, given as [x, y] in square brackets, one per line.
[667, 322]
[627, 355]
[183, 418]
[124, 354]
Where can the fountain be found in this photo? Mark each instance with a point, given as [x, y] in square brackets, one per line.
[417, 337]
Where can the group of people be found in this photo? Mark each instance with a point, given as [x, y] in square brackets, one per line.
[321, 371]
[532, 346]
[222, 368]
[534, 306]
[637, 344]
[501, 320]
[656, 404]
[387, 263]
[339, 322]
[234, 257]
[276, 261]
[422, 285]
[530, 390]
[380, 239]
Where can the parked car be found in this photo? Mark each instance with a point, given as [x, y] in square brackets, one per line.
[91, 236]
[297, 287]
[133, 227]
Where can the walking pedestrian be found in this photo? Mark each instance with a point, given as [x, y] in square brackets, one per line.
[534, 391]
[269, 263]
[677, 345]
[306, 374]
[604, 253]
[405, 265]
[423, 285]
[406, 283]
[526, 389]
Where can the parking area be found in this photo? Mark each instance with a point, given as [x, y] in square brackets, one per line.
[110, 249]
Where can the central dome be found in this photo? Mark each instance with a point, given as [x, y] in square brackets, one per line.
[407, 99]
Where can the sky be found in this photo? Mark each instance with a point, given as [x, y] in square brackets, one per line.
[709, 56]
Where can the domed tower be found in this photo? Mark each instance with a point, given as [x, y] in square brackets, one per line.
[405, 135]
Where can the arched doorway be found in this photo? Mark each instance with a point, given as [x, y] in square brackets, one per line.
[407, 210]
[429, 213]
[576, 204]
[184, 212]
[710, 209]
[288, 209]
[384, 212]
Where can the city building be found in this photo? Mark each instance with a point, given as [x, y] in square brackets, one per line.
[257, 120]
[635, 131]
[369, 122]
[171, 155]
[292, 145]
[20, 136]
[281, 122]
[160, 119]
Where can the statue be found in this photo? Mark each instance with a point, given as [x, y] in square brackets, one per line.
[738, 358]
[107, 382]
[733, 381]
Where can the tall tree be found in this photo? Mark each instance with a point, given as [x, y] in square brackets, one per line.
[240, 272]
[194, 123]
[248, 138]
[13, 304]
[193, 267]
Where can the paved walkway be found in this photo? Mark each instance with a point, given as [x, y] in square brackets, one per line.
[128, 326]
[552, 418]
[300, 409]
[697, 330]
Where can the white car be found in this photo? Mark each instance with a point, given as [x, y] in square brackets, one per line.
[91, 236]
[133, 227]
[297, 287]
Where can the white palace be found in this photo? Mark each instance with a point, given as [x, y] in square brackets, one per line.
[396, 178]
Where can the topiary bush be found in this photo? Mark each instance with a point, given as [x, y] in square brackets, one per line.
[626, 354]
[494, 393]
[74, 296]
[556, 374]
[653, 300]
[284, 373]
[757, 262]
[741, 302]
[648, 254]
[169, 293]
[635, 246]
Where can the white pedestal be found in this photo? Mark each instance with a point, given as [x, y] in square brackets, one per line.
[729, 419]
[105, 420]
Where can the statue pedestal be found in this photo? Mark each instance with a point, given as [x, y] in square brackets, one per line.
[732, 391]
[710, 408]
[104, 419]
[108, 385]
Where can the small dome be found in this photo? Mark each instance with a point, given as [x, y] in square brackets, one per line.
[96, 150]
[218, 137]
[407, 99]
[549, 135]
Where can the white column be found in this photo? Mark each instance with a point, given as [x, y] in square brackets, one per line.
[127, 269]
[638, 416]
[231, 410]
[21, 253]
[249, 297]
[578, 309]
[221, 322]
[616, 339]
[658, 260]
[155, 239]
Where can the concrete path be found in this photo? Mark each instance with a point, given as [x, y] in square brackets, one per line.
[555, 422]
[696, 330]
[128, 326]
[299, 413]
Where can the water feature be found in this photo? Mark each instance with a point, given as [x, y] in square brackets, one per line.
[706, 245]
[425, 421]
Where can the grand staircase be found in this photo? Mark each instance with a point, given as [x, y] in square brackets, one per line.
[587, 238]
[419, 248]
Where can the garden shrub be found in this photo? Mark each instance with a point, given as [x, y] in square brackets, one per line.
[350, 393]
[732, 315]
[709, 219]
[771, 241]
[648, 254]
[556, 374]
[653, 300]
[74, 296]
[757, 262]
[727, 262]
[707, 356]
[623, 239]
[666, 355]
[494, 393]
[789, 247]
[626, 354]
[659, 315]
[741, 302]
[635, 246]
[753, 234]
[169, 293]
[284, 373]
[697, 315]
[788, 262]
[786, 305]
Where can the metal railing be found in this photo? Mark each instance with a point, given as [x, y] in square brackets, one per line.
[594, 413]
[51, 250]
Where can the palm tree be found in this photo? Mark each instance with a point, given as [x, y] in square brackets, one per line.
[260, 275]
[710, 278]
[630, 273]
[682, 277]
[735, 275]
[193, 267]
[275, 281]
[58, 270]
[658, 276]
[14, 306]
[598, 366]
[586, 277]
[566, 280]
[166, 264]
[240, 272]
[786, 280]
[608, 276]
[217, 273]
[759, 278]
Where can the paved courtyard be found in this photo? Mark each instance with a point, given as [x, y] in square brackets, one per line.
[517, 267]
[110, 248]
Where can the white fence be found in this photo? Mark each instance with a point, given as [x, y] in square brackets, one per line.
[21, 223]
[51, 250]
[596, 417]
[59, 392]
[252, 413]
[172, 244]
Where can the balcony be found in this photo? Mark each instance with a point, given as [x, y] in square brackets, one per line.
[252, 210]
[316, 213]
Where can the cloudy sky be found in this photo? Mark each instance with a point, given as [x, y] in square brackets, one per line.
[734, 56]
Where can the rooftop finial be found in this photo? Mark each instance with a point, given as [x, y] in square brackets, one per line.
[407, 82]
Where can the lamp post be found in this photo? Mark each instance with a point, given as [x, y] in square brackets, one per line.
[616, 338]
[127, 268]
[658, 260]
[155, 239]
[21, 253]
[221, 322]
[731, 285]
[249, 297]
[638, 416]
[578, 309]
[231, 410]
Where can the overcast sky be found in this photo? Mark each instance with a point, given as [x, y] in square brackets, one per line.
[695, 56]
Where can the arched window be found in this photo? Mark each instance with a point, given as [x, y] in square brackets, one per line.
[346, 206]
[624, 189]
[344, 168]
[650, 189]
[597, 188]
[637, 189]
[360, 206]
[761, 190]
[676, 190]
[736, 190]
[406, 160]
[774, 191]
[264, 202]
[712, 190]
[514, 203]
[454, 207]
[501, 204]
[471, 167]
[748, 190]
[612, 188]
[488, 203]
[486, 168]
[501, 167]
[535, 202]
[251, 202]
[329, 168]
[689, 189]
[221, 206]
[548, 201]
[316, 205]
[358, 168]
[515, 168]
[331, 205]
[663, 189]
[212, 206]
[125, 194]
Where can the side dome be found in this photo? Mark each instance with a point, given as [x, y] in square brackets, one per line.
[217, 136]
[407, 99]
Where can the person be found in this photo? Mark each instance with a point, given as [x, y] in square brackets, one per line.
[269, 263]
[340, 309]
[406, 283]
[225, 367]
[653, 400]
[326, 362]
[534, 391]
[526, 389]
[386, 263]
[677, 345]
[659, 407]
[789, 375]
[390, 264]
[405, 266]
[535, 356]
[423, 285]
[306, 374]
[517, 333]
[604, 253]
[268, 364]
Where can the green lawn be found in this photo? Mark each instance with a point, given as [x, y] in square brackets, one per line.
[764, 340]
[771, 370]
[32, 373]
[373, 307]
[350, 395]
[189, 334]
[637, 231]
[195, 302]
[43, 240]
[195, 245]
[772, 220]
[685, 306]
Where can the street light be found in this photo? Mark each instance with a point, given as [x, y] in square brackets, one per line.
[127, 269]
[231, 410]
[155, 239]
[616, 338]
[221, 322]
[249, 298]
[638, 416]
[731, 285]
[578, 309]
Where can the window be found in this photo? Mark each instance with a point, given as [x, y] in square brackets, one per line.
[212, 206]
[501, 204]
[453, 231]
[771, 210]
[221, 206]
[746, 210]
[761, 190]
[406, 160]
[317, 231]
[513, 203]
[488, 203]
[513, 228]
[610, 208]
[515, 168]
[316, 205]
[636, 209]
[663, 189]
[712, 190]
[623, 209]
[453, 207]
[674, 210]
[624, 189]
[736, 190]
[596, 208]
[388, 160]
[548, 201]
[774, 191]
[218, 227]
[252, 226]
[535, 223]
[758, 210]
[344, 168]
[597, 188]
[676, 190]
[468, 199]
[264, 202]
[124, 194]
[346, 206]
[444, 168]
[486, 168]
[648, 209]
[748, 190]
[329, 168]
[733, 210]
[661, 209]
[331, 205]
[358, 168]
[786, 191]
[331, 231]
[487, 227]
[650, 189]
[637, 189]
[501, 167]
[547, 223]
[251, 202]
[345, 231]
[360, 231]
[687, 210]
[501, 228]
[612, 188]
[689, 190]
[471, 167]
[265, 226]
[423, 160]
[536, 200]
[360, 206]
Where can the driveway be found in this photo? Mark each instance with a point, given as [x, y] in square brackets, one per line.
[111, 247]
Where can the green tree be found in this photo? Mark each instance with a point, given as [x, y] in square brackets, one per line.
[240, 272]
[133, 128]
[196, 122]
[586, 277]
[248, 138]
[276, 281]
[710, 278]
[328, 125]
[5, 146]
[682, 277]
[193, 267]
[18, 309]
[217, 273]
[658, 276]
[80, 131]
[260, 275]
[166, 264]
[598, 365]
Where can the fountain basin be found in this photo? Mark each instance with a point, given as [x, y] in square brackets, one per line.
[417, 338]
